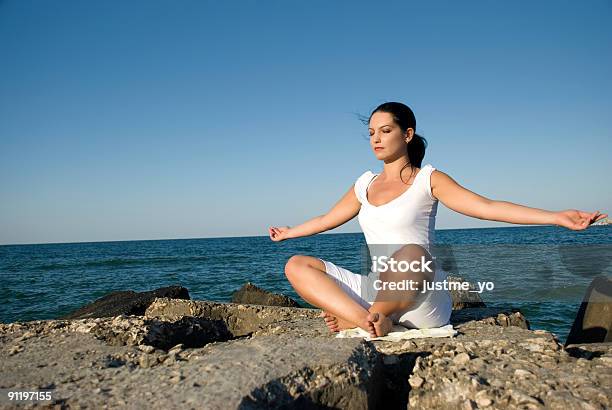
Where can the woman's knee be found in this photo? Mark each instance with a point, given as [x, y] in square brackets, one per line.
[292, 265]
[297, 262]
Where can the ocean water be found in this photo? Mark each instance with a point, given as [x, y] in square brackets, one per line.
[542, 270]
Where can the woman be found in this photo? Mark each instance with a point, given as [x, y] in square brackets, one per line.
[396, 211]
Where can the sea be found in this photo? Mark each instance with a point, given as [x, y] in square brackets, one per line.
[543, 271]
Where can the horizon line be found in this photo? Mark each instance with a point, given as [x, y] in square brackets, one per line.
[249, 236]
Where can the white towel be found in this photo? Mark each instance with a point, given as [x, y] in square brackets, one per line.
[399, 332]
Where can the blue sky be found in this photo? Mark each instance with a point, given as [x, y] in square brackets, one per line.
[147, 120]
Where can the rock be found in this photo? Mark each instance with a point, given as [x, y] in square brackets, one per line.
[482, 399]
[146, 348]
[464, 298]
[416, 381]
[177, 355]
[126, 303]
[146, 361]
[253, 295]
[521, 398]
[15, 349]
[522, 373]
[240, 320]
[593, 322]
[489, 315]
[461, 358]
[161, 334]
[468, 405]
[176, 349]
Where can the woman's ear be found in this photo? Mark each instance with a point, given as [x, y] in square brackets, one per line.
[409, 135]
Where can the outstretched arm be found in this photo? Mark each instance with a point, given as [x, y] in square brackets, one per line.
[343, 211]
[466, 202]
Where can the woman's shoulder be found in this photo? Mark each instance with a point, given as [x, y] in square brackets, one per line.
[365, 176]
[366, 173]
[428, 166]
[427, 169]
[361, 183]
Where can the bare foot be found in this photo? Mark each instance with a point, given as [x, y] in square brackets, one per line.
[334, 323]
[380, 323]
[330, 321]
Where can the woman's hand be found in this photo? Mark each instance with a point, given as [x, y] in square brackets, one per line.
[577, 220]
[279, 233]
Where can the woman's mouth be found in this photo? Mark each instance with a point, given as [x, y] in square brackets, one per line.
[378, 148]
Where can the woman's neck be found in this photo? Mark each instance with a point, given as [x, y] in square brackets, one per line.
[392, 169]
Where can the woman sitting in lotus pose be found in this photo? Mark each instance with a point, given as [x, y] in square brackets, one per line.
[396, 210]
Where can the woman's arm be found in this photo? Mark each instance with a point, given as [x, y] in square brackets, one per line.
[343, 211]
[466, 202]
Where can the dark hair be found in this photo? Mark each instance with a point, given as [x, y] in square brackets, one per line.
[404, 118]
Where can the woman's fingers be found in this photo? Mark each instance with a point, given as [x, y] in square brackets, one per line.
[274, 233]
[578, 220]
[595, 216]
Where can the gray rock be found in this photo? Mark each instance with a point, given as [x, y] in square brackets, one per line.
[227, 355]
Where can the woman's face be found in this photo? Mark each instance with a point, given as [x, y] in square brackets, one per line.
[386, 138]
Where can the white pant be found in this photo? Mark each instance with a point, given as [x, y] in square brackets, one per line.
[434, 309]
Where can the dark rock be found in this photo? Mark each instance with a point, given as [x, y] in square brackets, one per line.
[253, 295]
[593, 321]
[588, 350]
[126, 302]
[464, 298]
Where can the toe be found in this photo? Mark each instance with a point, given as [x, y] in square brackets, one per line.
[373, 317]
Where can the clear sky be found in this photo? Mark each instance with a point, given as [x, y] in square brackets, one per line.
[161, 119]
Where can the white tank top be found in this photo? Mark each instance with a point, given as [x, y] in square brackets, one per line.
[407, 219]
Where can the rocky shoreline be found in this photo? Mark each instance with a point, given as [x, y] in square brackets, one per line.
[198, 354]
